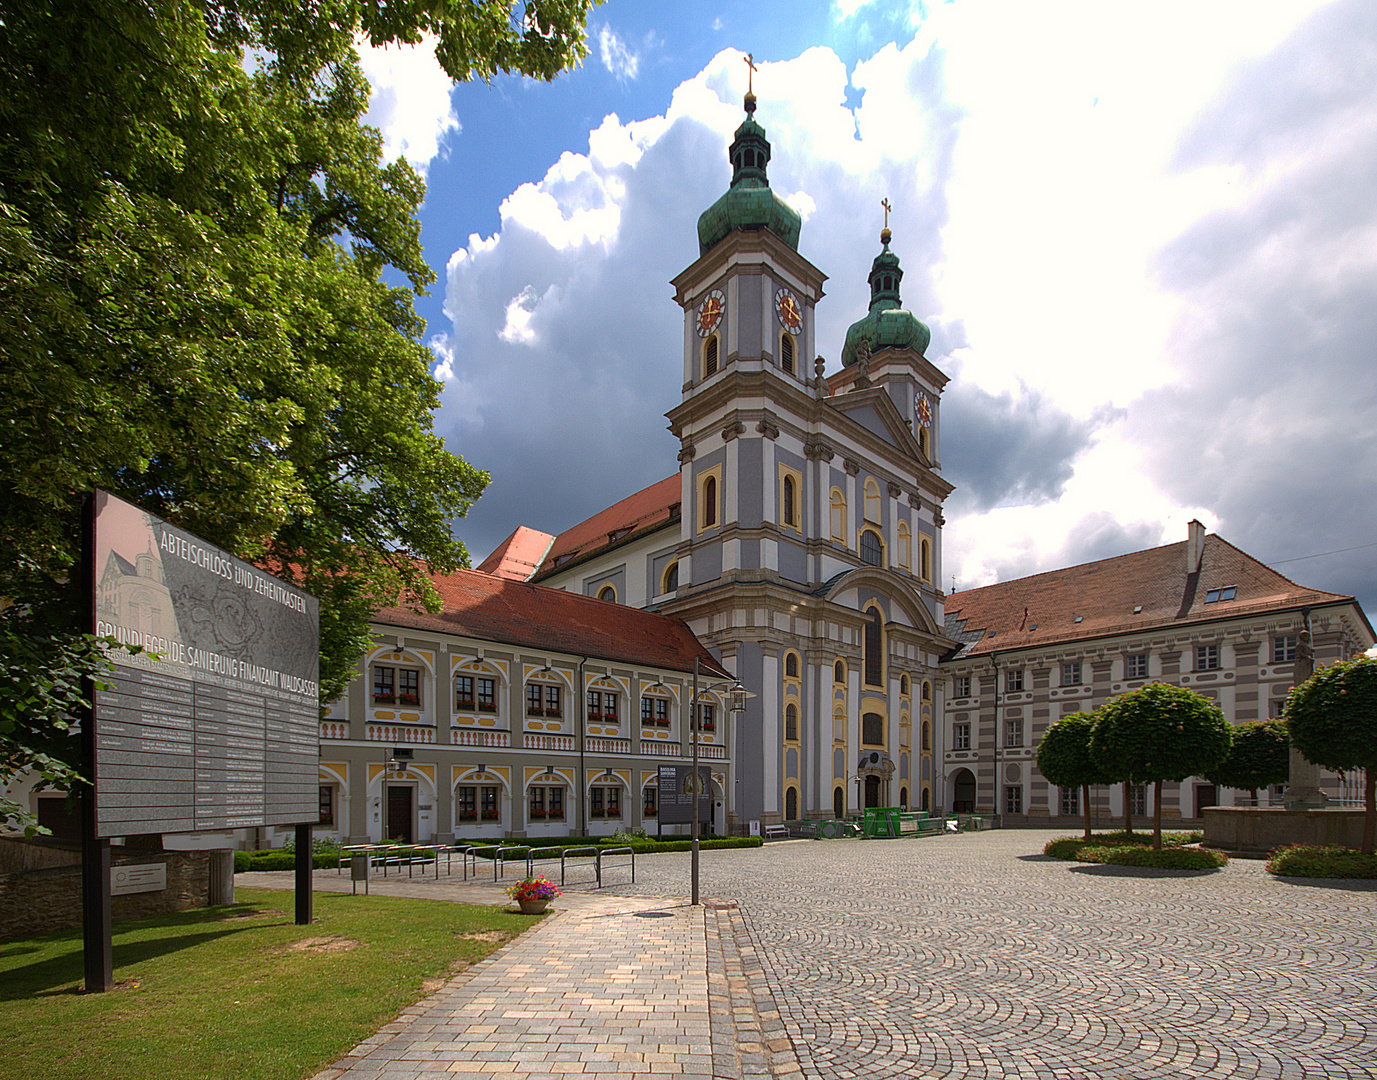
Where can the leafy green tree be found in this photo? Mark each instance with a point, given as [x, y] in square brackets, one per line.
[1259, 757]
[1064, 757]
[207, 276]
[1332, 717]
[1158, 733]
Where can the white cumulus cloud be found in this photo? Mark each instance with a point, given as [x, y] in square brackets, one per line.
[410, 101]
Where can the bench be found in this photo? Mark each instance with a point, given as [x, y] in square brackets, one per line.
[776, 832]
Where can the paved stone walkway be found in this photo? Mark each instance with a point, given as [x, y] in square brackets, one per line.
[957, 956]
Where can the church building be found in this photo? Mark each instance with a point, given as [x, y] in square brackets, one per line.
[800, 539]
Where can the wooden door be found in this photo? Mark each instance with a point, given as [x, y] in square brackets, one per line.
[399, 801]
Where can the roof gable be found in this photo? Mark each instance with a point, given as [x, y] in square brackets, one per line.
[874, 410]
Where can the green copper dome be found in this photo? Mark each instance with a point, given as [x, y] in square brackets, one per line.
[888, 325]
[749, 203]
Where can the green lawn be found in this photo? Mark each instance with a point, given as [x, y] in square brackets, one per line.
[237, 991]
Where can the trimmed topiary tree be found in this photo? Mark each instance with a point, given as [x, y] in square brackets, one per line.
[1158, 733]
[1259, 757]
[1064, 758]
[1332, 717]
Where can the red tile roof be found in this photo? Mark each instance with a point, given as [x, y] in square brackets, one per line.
[518, 556]
[490, 608]
[649, 508]
[1042, 609]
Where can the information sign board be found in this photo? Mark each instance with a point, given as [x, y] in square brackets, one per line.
[216, 725]
[676, 794]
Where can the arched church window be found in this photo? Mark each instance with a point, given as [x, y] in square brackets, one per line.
[903, 684]
[790, 502]
[791, 666]
[786, 353]
[905, 543]
[872, 500]
[874, 649]
[838, 501]
[710, 501]
[839, 673]
[671, 581]
[791, 723]
[791, 804]
[872, 553]
[607, 592]
[925, 559]
[923, 441]
[710, 356]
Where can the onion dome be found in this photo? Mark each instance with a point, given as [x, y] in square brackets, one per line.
[888, 325]
[748, 203]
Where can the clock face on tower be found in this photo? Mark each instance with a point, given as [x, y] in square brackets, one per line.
[922, 409]
[710, 313]
[788, 310]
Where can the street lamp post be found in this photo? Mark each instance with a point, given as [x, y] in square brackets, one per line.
[738, 695]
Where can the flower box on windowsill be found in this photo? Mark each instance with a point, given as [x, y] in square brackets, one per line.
[491, 815]
[468, 817]
[409, 699]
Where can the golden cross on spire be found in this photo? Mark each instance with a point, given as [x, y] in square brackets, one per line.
[749, 58]
[885, 203]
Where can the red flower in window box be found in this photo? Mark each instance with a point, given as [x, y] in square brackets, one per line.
[492, 815]
[409, 699]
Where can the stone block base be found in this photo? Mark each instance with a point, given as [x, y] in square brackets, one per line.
[1262, 828]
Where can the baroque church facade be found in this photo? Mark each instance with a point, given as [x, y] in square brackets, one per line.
[800, 539]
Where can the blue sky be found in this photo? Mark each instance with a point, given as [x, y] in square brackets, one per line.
[1144, 236]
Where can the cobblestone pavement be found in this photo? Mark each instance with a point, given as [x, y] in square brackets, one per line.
[970, 956]
[607, 987]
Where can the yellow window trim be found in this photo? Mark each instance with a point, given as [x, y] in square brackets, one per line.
[714, 473]
[797, 477]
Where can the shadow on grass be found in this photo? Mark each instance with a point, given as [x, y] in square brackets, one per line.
[55, 974]
[1111, 870]
[1347, 884]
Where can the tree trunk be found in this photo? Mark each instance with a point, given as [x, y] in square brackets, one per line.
[1157, 817]
[1085, 794]
[1252, 794]
[1128, 809]
[1370, 821]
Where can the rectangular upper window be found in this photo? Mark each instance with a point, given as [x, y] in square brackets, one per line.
[1136, 666]
[1013, 732]
[1013, 681]
[961, 736]
[1284, 648]
[396, 686]
[961, 686]
[1071, 673]
[1206, 657]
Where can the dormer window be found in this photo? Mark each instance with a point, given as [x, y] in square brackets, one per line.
[1225, 593]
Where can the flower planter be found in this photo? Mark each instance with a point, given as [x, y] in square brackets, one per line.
[533, 907]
